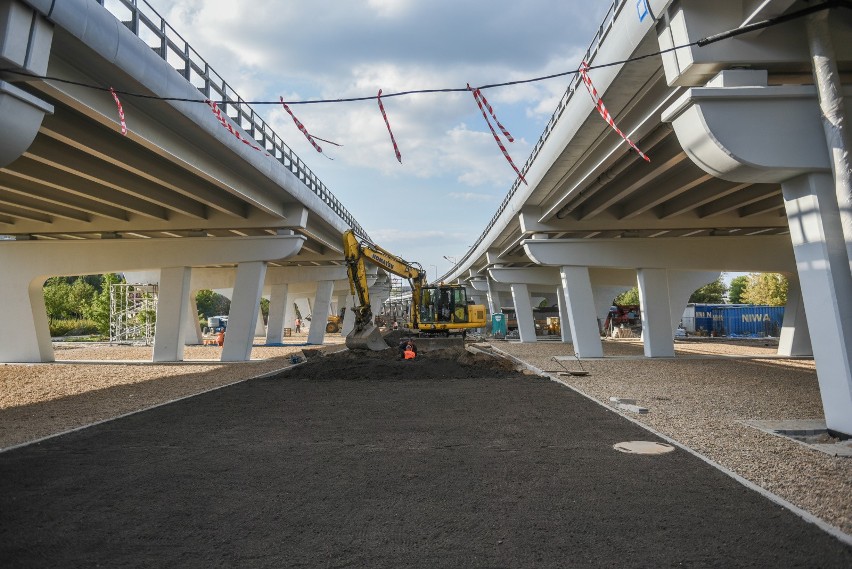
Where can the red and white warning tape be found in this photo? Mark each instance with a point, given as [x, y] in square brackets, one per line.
[300, 126]
[390, 132]
[480, 100]
[120, 111]
[227, 124]
[599, 105]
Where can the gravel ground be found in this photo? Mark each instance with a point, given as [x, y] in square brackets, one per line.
[700, 402]
[697, 401]
[82, 387]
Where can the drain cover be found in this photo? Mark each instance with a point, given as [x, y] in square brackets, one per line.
[643, 447]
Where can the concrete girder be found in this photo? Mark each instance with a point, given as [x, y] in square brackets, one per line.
[25, 42]
[764, 253]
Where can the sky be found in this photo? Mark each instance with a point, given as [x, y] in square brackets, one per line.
[435, 204]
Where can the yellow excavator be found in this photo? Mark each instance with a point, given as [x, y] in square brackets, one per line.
[434, 309]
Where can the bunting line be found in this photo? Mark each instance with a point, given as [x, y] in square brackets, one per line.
[390, 132]
[227, 124]
[599, 105]
[120, 112]
[476, 97]
[300, 126]
[490, 110]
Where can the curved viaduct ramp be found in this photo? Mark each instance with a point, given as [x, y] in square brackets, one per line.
[740, 178]
[179, 192]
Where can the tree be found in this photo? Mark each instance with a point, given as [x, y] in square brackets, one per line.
[766, 288]
[56, 292]
[737, 289]
[710, 293]
[264, 309]
[81, 296]
[627, 298]
[99, 310]
[210, 303]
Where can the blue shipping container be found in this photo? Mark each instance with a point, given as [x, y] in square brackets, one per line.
[748, 321]
[704, 316]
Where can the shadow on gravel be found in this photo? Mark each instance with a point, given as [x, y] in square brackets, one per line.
[363, 460]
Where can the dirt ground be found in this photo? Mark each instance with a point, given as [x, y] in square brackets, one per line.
[449, 460]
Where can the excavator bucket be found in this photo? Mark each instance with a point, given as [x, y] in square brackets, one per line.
[368, 338]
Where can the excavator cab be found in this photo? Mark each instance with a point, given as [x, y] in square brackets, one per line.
[443, 304]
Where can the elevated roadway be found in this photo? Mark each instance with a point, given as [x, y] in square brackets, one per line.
[178, 200]
[749, 171]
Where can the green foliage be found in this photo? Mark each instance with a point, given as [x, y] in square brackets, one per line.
[737, 288]
[67, 300]
[766, 288]
[210, 303]
[627, 298]
[98, 310]
[72, 327]
[710, 293]
[264, 309]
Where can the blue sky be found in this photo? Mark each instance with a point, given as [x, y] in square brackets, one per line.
[453, 176]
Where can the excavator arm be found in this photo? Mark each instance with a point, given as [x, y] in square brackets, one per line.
[365, 333]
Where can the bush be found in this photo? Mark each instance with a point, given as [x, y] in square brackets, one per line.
[73, 327]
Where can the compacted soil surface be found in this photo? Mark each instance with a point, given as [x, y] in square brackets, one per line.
[365, 460]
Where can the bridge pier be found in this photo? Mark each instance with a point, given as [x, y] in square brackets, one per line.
[172, 310]
[244, 310]
[277, 310]
[523, 312]
[27, 264]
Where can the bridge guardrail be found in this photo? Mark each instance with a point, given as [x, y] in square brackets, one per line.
[148, 25]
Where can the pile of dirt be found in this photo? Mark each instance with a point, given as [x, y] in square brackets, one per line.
[354, 365]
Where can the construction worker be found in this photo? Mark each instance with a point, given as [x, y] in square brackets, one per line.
[220, 338]
[407, 349]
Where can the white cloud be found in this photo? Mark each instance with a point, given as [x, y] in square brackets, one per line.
[471, 197]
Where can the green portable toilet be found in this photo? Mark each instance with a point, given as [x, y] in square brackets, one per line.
[498, 325]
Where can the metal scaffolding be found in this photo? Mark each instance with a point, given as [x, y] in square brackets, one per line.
[132, 312]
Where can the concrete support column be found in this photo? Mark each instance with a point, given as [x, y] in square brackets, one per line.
[259, 326]
[277, 309]
[349, 315]
[656, 314]
[564, 324]
[316, 335]
[834, 119]
[523, 312]
[577, 287]
[245, 305]
[171, 309]
[493, 295]
[826, 284]
[795, 339]
[191, 326]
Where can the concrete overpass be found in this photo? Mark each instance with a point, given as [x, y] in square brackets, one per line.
[749, 171]
[179, 193]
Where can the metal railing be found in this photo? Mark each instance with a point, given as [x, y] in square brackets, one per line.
[603, 30]
[147, 24]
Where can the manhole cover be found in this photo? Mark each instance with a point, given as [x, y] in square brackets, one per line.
[643, 447]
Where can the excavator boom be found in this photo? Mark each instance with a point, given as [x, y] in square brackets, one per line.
[365, 334]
